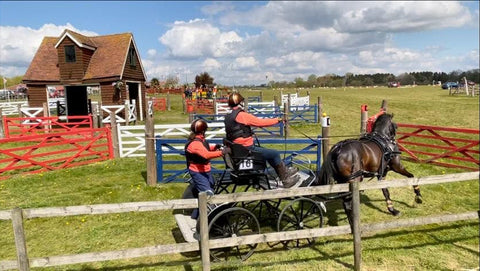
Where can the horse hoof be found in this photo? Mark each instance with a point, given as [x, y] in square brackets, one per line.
[394, 212]
[418, 199]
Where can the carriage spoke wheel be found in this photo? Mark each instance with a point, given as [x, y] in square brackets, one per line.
[233, 222]
[300, 214]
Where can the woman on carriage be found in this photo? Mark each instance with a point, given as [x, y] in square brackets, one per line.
[198, 154]
[238, 129]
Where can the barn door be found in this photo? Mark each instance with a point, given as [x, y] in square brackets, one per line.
[76, 100]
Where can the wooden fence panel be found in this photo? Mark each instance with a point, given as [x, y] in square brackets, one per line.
[232, 241]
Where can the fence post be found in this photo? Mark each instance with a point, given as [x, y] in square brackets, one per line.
[286, 109]
[357, 238]
[46, 114]
[19, 108]
[325, 135]
[168, 100]
[319, 108]
[261, 96]
[127, 112]
[113, 123]
[20, 243]
[100, 114]
[204, 245]
[319, 155]
[363, 119]
[384, 105]
[150, 146]
[95, 119]
[2, 132]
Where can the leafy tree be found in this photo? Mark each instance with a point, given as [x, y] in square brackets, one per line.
[203, 79]
[171, 82]
[155, 82]
[311, 80]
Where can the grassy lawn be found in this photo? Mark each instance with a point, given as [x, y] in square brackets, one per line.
[448, 246]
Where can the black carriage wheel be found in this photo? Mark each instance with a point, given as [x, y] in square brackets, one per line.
[231, 222]
[301, 213]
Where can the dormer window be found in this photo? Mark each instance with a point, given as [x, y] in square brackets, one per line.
[132, 58]
[70, 53]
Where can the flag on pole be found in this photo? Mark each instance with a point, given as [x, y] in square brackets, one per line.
[4, 82]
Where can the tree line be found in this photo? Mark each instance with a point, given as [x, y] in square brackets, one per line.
[378, 79]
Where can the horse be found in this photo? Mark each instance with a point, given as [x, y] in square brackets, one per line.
[372, 155]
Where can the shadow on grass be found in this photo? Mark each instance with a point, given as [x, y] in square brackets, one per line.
[318, 247]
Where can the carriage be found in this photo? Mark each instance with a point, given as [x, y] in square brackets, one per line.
[246, 171]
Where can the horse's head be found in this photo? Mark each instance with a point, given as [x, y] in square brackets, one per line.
[385, 126]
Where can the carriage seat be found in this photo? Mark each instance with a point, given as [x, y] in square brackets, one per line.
[246, 167]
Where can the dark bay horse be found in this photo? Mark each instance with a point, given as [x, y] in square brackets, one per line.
[372, 155]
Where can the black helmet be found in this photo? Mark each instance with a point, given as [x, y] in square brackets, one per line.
[234, 99]
[198, 126]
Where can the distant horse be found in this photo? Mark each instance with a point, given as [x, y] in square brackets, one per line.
[372, 155]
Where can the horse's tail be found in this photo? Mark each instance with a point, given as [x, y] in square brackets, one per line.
[327, 170]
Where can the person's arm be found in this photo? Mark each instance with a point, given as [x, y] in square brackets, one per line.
[251, 120]
[197, 147]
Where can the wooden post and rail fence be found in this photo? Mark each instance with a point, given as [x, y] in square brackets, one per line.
[24, 262]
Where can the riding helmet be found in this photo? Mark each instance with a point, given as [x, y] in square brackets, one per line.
[234, 99]
[198, 126]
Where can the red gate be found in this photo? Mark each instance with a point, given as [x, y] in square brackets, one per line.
[26, 126]
[443, 146]
[38, 153]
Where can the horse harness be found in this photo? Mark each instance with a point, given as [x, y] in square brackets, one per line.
[389, 150]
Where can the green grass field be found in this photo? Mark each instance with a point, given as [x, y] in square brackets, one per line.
[449, 246]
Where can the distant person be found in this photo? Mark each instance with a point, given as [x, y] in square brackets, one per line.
[198, 154]
[238, 129]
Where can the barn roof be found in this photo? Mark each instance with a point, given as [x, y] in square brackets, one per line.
[44, 64]
[108, 59]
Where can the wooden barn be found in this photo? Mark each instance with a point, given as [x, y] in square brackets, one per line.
[110, 63]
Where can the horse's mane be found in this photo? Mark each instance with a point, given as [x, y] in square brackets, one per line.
[383, 125]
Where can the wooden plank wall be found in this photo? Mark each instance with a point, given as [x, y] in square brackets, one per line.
[69, 71]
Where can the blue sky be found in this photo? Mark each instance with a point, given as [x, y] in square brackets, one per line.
[243, 42]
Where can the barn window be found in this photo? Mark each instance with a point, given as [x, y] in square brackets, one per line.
[132, 58]
[70, 53]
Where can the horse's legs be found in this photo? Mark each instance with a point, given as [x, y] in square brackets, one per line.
[418, 195]
[397, 166]
[390, 208]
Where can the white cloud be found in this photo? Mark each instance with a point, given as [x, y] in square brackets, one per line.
[151, 53]
[245, 63]
[18, 45]
[211, 64]
[198, 38]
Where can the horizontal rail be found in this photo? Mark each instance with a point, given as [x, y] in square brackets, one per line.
[234, 197]
[233, 241]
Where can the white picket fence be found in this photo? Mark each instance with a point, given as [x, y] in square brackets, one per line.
[296, 102]
[131, 139]
[11, 108]
[118, 110]
[253, 107]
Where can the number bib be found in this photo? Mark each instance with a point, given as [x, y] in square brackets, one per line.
[246, 164]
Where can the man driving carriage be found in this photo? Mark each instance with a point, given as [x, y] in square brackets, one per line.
[238, 129]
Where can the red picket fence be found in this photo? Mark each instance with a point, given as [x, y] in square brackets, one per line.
[44, 152]
[27, 126]
[202, 106]
[159, 104]
[443, 146]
